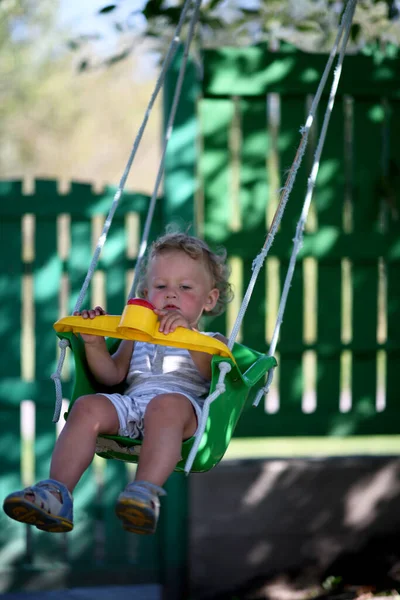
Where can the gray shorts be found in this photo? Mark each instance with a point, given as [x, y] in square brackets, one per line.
[131, 409]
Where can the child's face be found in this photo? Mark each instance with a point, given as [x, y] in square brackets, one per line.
[178, 282]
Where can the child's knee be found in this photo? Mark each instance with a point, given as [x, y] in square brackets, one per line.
[163, 406]
[92, 408]
[96, 410]
[83, 405]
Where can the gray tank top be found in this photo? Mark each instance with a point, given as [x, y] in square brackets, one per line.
[160, 369]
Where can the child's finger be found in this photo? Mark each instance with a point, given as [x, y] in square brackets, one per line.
[165, 322]
[162, 322]
[90, 314]
[172, 322]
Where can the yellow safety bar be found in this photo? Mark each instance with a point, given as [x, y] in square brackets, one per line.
[138, 322]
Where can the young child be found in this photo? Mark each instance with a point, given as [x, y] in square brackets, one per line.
[162, 402]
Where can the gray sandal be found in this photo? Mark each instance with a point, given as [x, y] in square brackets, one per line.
[138, 507]
[44, 512]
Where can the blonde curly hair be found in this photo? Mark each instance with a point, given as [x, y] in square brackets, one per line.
[198, 250]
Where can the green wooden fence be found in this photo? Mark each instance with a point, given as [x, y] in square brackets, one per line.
[339, 349]
[46, 241]
[339, 352]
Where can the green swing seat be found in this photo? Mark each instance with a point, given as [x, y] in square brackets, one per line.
[241, 383]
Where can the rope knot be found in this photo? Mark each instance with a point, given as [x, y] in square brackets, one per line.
[220, 388]
[64, 343]
[258, 261]
[225, 367]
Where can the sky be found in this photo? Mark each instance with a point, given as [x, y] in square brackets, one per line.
[83, 15]
[71, 11]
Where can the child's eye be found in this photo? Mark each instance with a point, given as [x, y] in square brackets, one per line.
[186, 287]
[160, 287]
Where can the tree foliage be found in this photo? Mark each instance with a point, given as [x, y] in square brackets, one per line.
[31, 98]
[55, 123]
[310, 25]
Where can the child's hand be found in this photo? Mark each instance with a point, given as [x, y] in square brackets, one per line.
[90, 314]
[170, 320]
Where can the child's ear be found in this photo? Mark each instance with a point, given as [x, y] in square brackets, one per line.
[145, 292]
[211, 300]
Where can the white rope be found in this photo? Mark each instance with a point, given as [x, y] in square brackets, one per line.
[107, 224]
[285, 193]
[146, 231]
[170, 54]
[265, 389]
[224, 368]
[298, 240]
[56, 377]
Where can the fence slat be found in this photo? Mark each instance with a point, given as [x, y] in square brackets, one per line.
[46, 285]
[10, 289]
[329, 201]
[115, 542]
[215, 169]
[47, 277]
[393, 332]
[10, 442]
[391, 200]
[82, 538]
[291, 382]
[254, 196]
[366, 174]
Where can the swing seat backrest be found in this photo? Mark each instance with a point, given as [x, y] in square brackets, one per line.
[245, 377]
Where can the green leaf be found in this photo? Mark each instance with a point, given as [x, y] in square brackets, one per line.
[83, 65]
[153, 9]
[214, 4]
[173, 13]
[73, 45]
[250, 11]
[355, 32]
[107, 9]
[308, 26]
[118, 57]
[212, 22]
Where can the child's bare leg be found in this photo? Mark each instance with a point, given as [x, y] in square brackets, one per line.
[48, 504]
[169, 419]
[75, 447]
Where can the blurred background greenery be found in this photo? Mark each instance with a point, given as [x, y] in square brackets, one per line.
[75, 77]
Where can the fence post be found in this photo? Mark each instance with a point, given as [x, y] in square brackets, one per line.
[180, 181]
[179, 209]
[174, 524]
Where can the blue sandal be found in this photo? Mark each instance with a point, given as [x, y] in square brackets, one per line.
[44, 511]
[138, 507]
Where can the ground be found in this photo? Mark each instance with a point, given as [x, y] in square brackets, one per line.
[302, 586]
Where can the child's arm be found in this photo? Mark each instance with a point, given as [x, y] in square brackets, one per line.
[202, 360]
[108, 370]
